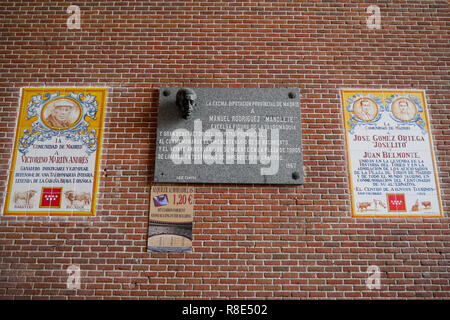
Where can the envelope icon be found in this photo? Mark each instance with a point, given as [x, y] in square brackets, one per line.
[160, 200]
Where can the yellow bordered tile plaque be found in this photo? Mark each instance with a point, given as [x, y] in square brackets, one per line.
[56, 153]
[390, 156]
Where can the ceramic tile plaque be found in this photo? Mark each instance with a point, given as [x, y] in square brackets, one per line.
[229, 135]
[56, 152]
[390, 155]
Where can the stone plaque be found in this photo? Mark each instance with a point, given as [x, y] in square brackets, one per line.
[229, 135]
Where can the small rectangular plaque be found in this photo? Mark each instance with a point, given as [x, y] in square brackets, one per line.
[229, 135]
[170, 219]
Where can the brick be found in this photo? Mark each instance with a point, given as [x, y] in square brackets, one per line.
[250, 241]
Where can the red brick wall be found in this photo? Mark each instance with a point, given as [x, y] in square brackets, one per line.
[250, 241]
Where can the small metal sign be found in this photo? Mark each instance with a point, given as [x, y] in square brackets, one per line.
[170, 219]
[229, 135]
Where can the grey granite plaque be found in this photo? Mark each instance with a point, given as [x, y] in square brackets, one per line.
[229, 135]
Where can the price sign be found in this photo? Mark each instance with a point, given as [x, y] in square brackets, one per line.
[172, 204]
[170, 225]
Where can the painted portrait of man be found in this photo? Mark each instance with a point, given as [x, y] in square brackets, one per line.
[404, 110]
[61, 114]
[366, 109]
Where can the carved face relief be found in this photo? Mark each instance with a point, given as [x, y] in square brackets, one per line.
[186, 102]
